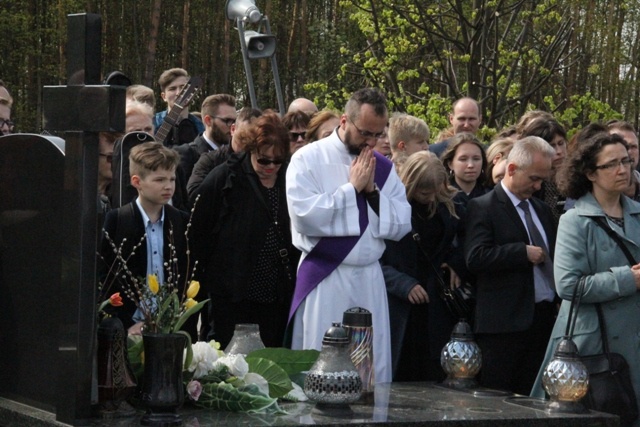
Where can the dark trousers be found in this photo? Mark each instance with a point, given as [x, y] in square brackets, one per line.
[511, 361]
[224, 314]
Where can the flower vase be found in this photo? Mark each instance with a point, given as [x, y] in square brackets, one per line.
[162, 387]
[115, 380]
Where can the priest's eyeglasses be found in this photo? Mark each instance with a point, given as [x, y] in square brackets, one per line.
[366, 133]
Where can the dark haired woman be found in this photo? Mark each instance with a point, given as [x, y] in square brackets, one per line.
[596, 174]
[549, 129]
[466, 162]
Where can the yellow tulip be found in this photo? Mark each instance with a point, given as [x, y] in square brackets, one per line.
[154, 286]
[194, 288]
[190, 303]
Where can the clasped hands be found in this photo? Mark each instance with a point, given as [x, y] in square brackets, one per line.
[363, 170]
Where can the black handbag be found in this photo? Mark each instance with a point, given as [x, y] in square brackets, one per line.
[460, 301]
[610, 386]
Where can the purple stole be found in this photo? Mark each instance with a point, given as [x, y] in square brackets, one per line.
[329, 252]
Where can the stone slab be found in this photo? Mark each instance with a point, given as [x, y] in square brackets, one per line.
[396, 404]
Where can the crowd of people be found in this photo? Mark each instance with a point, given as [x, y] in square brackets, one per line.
[297, 217]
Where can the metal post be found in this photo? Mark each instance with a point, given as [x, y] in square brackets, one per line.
[247, 64]
[276, 76]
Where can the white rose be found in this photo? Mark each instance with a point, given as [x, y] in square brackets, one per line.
[238, 367]
[204, 357]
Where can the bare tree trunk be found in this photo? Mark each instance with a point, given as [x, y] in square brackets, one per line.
[153, 43]
[185, 35]
[293, 35]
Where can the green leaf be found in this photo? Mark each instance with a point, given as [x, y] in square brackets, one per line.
[135, 350]
[291, 361]
[225, 397]
[188, 313]
[279, 382]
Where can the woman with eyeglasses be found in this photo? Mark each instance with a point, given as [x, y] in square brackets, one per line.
[241, 235]
[596, 174]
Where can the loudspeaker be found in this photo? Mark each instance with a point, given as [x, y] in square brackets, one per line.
[243, 9]
[259, 45]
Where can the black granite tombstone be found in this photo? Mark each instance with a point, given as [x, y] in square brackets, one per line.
[48, 253]
[31, 187]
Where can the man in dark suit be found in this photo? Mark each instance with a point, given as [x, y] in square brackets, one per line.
[509, 246]
[219, 117]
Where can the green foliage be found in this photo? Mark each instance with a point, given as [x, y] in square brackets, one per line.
[225, 397]
[278, 379]
[291, 361]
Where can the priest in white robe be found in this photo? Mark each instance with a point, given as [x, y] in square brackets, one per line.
[344, 200]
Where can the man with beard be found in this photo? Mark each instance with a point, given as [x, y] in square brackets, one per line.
[218, 114]
[344, 200]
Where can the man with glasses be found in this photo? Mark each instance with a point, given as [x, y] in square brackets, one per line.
[296, 122]
[344, 200]
[219, 117]
[6, 125]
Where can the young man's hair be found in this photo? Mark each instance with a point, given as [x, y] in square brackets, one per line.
[246, 114]
[151, 156]
[170, 75]
[212, 102]
[296, 119]
[141, 93]
[404, 127]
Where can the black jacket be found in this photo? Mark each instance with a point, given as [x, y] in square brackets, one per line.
[230, 222]
[126, 223]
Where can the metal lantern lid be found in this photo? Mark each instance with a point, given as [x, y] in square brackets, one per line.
[566, 348]
[462, 331]
[357, 316]
[336, 334]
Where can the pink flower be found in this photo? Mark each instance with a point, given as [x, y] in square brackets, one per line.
[194, 389]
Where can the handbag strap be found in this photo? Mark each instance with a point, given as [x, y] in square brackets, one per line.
[418, 240]
[603, 224]
[573, 315]
[575, 305]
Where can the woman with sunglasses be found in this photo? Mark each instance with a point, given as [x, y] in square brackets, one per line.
[241, 235]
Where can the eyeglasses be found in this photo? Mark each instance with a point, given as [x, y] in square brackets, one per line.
[366, 133]
[108, 157]
[9, 123]
[267, 162]
[294, 136]
[626, 162]
[226, 120]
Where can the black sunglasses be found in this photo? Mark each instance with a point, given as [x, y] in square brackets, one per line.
[266, 162]
[295, 135]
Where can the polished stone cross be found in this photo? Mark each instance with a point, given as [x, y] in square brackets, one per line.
[81, 110]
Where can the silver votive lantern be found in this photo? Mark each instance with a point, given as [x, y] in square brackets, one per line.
[358, 323]
[333, 378]
[566, 379]
[461, 358]
[246, 338]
